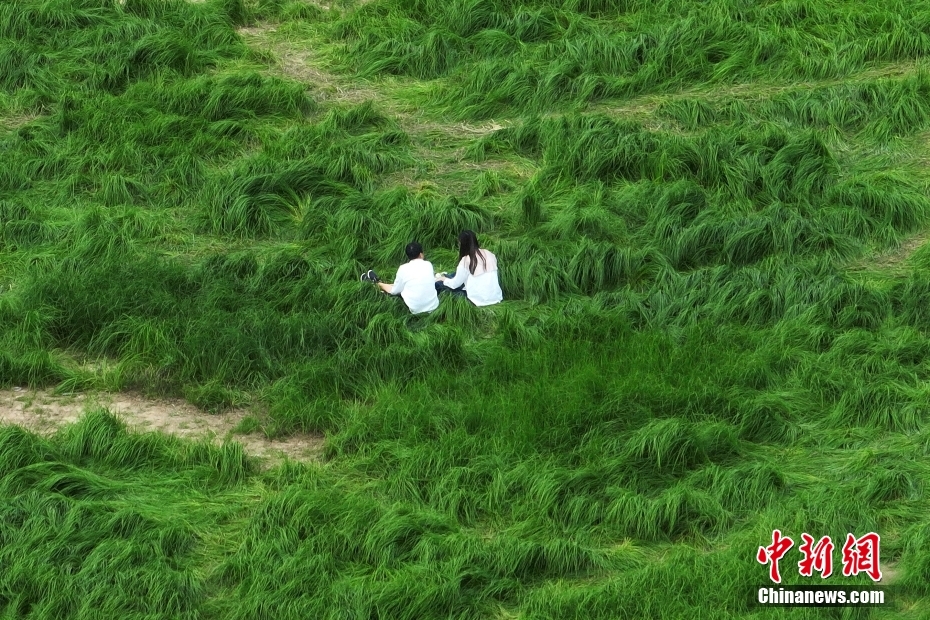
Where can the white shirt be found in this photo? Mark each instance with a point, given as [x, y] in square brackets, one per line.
[416, 284]
[482, 287]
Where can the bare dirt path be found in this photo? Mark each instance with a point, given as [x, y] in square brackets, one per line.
[895, 258]
[44, 412]
[305, 62]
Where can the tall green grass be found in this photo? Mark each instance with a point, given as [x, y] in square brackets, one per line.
[874, 109]
[532, 56]
[81, 537]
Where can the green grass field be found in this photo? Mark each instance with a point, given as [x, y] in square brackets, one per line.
[710, 217]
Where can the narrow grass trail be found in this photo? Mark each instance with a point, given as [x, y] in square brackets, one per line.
[45, 412]
[307, 55]
[444, 148]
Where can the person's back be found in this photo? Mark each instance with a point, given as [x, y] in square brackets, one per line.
[415, 284]
[482, 287]
[476, 272]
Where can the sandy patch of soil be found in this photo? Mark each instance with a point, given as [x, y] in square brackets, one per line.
[890, 573]
[44, 412]
[17, 121]
[302, 64]
[894, 257]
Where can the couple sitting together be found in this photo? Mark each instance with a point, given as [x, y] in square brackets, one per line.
[475, 277]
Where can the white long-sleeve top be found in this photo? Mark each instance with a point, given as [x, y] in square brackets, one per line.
[482, 287]
[417, 286]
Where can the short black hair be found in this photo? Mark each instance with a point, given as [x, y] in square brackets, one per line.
[413, 250]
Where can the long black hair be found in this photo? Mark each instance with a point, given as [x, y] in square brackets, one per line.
[468, 246]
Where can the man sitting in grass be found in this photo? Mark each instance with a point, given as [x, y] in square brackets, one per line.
[414, 282]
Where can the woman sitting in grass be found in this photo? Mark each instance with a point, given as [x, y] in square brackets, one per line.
[476, 273]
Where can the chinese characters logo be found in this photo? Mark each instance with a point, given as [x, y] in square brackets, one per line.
[860, 555]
